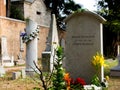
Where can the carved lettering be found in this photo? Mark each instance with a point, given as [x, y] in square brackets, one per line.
[83, 40]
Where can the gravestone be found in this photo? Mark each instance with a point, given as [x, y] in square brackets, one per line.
[46, 61]
[23, 73]
[20, 60]
[84, 38]
[2, 71]
[52, 43]
[16, 75]
[6, 60]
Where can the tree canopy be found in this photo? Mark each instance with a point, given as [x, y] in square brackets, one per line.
[110, 9]
[62, 8]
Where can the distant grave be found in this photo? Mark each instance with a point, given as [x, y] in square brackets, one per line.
[115, 71]
[6, 60]
[2, 71]
[20, 60]
[84, 38]
[48, 56]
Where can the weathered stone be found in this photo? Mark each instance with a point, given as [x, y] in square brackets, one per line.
[46, 61]
[16, 75]
[2, 71]
[31, 47]
[23, 73]
[6, 59]
[52, 44]
[84, 38]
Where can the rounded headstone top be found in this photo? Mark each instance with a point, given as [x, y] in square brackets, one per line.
[84, 12]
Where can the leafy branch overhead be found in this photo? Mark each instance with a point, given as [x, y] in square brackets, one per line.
[62, 8]
[110, 10]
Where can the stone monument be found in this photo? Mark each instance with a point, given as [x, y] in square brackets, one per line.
[84, 38]
[2, 71]
[30, 38]
[20, 60]
[6, 60]
[52, 43]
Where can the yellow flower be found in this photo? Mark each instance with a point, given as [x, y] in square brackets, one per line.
[98, 61]
[97, 58]
[107, 78]
[101, 61]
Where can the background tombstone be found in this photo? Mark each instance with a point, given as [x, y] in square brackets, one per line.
[20, 60]
[2, 71]
[83, 40]
[115, 71]
[52, 44]
[6, 60]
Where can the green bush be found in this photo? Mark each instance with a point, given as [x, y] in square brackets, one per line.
[110, 64]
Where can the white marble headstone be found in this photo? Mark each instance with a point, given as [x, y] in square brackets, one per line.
[2, 71]
[5, 55]
[83, 40]
[6, 59]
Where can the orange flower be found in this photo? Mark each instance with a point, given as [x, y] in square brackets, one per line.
[68, 88]
[68, 80]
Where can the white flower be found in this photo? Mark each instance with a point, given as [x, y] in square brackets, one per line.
[31, 36]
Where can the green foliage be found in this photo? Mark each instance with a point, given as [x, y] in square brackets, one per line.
[58, 73]
[110, 64]
[16, 13]
[95, 81]
[110, 10]
[36, 88]
[61, 8]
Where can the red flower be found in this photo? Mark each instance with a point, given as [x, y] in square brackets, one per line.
[72, 81]
[80, 81]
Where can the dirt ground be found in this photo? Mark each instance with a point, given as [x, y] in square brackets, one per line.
[16, 85]
[7, 83]
[114, 83]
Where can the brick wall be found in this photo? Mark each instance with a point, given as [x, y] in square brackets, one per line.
[2, 7]
[10, 28]
[42, 40]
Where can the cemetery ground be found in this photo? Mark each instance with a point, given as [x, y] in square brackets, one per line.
[6, 82]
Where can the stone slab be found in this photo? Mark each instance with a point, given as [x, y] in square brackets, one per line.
[2, 71]
[16, 75]
[46, 61]
[23, 73]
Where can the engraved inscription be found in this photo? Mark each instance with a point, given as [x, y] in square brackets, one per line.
[83, 39]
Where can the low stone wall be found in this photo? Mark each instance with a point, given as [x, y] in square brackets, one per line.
[10, 28]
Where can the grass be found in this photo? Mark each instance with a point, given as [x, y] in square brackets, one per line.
[6, 83]
[28, 83]
[18, 84]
